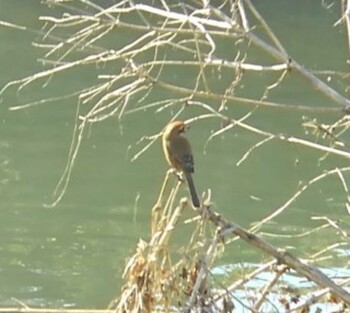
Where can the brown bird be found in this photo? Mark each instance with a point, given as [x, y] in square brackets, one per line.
[178, 153]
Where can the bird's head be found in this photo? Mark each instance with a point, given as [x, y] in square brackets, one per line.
[176, 127]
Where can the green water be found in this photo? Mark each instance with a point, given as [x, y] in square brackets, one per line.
[74, 254]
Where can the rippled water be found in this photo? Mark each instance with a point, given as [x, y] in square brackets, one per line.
[74, 254]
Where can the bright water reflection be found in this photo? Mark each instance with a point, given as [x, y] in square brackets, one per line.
[279, 296]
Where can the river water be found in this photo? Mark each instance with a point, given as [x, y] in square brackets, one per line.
[74, 254]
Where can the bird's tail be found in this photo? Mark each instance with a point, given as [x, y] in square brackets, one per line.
[194, 196]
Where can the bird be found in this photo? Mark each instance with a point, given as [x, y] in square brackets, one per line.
[178, 153]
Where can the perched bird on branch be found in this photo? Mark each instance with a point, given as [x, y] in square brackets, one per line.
[178, 153]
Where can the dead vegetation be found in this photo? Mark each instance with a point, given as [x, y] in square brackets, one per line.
[138, 73]
[155, 281]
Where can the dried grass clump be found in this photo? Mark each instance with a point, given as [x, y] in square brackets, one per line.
[161, 277]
